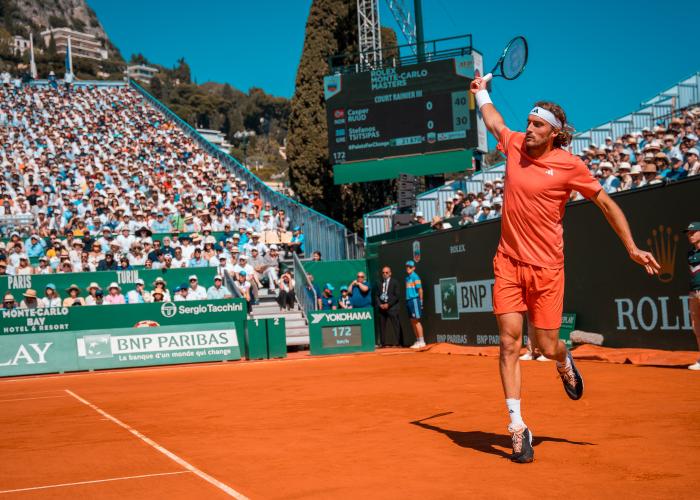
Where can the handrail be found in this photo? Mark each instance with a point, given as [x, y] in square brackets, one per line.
[302, 288]
[229, 281]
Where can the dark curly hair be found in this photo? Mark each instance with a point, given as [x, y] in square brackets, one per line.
[562, 139]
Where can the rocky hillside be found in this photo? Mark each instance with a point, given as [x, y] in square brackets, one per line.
[22, 16]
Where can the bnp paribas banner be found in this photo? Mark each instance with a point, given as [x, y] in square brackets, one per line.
[608, 293]
[65, 319]
[17, 285]
[119, 348]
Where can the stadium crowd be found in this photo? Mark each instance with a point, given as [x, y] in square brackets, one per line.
[105, 182]
[647, 157]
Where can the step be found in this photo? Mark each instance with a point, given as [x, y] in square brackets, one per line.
[275, 313]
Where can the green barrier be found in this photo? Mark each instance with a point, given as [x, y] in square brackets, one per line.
[17, 285]
[276, 338]
[256, 337]
[107, 317]
[39, 353]
[337, 273]
[118, 348]
[341, 331]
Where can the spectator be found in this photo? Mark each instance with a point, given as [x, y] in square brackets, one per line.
[74, 298]
[160, 286]
[93, 299]
[108, 263]
[51, 298]
[217, 291]
[297, 242]
[316, 256]
[359, 291]
[196, 291]
[181, 293]
[344, 300]
[326, 302]
[286, 297]
[243, 287]
[30, 300]
[8, 302]
[114, 295]
[157, 295]
[271, 268]
[138, 295]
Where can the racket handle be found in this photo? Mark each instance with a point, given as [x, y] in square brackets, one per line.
[487, 77]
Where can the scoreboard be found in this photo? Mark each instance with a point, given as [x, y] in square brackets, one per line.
[400, 112]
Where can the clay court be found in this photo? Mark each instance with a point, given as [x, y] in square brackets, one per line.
[395, 424]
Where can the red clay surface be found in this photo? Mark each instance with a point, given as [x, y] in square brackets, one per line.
[346, 427]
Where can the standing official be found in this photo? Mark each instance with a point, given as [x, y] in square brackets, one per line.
[386, 300]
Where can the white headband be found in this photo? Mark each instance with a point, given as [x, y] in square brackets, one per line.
[547, 116]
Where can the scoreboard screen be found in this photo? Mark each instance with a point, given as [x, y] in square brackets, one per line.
[341, 336]
[402, 111]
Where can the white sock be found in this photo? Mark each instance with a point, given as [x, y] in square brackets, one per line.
[565, 364]
[516, 420]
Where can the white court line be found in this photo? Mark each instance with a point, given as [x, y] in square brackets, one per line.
[27, 399]
[93, 482]
[223, 487]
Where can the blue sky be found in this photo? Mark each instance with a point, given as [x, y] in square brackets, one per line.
[599, 60]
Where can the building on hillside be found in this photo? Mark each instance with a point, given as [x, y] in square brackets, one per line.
[141, 72]
[217, 138]
[20, 44]
[82, 44]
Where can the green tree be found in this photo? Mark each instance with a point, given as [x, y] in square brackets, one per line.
[331, 28]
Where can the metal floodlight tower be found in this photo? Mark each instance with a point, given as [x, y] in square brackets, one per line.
[402, 16]
[370, 33]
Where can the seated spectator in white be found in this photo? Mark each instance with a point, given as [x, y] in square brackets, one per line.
[267, 223]
[244, 266]
[74, 298]
[217, 290]
[181, 293]
[159, 284]
[179, 260]
[92, 299]
[610, 183]
[43, 267]
[30, 300]
[125, 239]
[466, 218]
[257, 244]
[637, 177]
[114, 295]
[23, 267]
[281, 221]
[496, 206]
[187, 247]
[244, 289]
[196, 291]
[138, 295]
[692, 161]
[51, 298]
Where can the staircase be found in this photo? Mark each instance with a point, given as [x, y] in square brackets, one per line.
[295, 322]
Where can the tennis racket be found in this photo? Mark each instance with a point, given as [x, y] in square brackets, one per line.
[512, 62]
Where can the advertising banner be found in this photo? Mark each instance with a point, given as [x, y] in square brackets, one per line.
[119, 348]
[608, 293]
[17, 285]
[108, 317]
[166, 345]
[341, 331]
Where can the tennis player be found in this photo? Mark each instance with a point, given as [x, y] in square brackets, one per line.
[529, 262]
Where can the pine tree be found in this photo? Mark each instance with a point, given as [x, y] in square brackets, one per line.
[331, 28]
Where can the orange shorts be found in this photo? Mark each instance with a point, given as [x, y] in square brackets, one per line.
[521, 287]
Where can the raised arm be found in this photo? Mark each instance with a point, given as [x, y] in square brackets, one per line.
[492, 118]
[617, 220]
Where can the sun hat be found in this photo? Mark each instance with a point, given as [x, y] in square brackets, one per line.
[30, 293]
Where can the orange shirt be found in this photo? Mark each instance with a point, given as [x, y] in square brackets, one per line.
[536, 192]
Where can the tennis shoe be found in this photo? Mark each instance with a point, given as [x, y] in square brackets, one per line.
[522, 445]
[543, 358]
[571, 378]
[695, 366]
[418, 344]
[527, 356]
